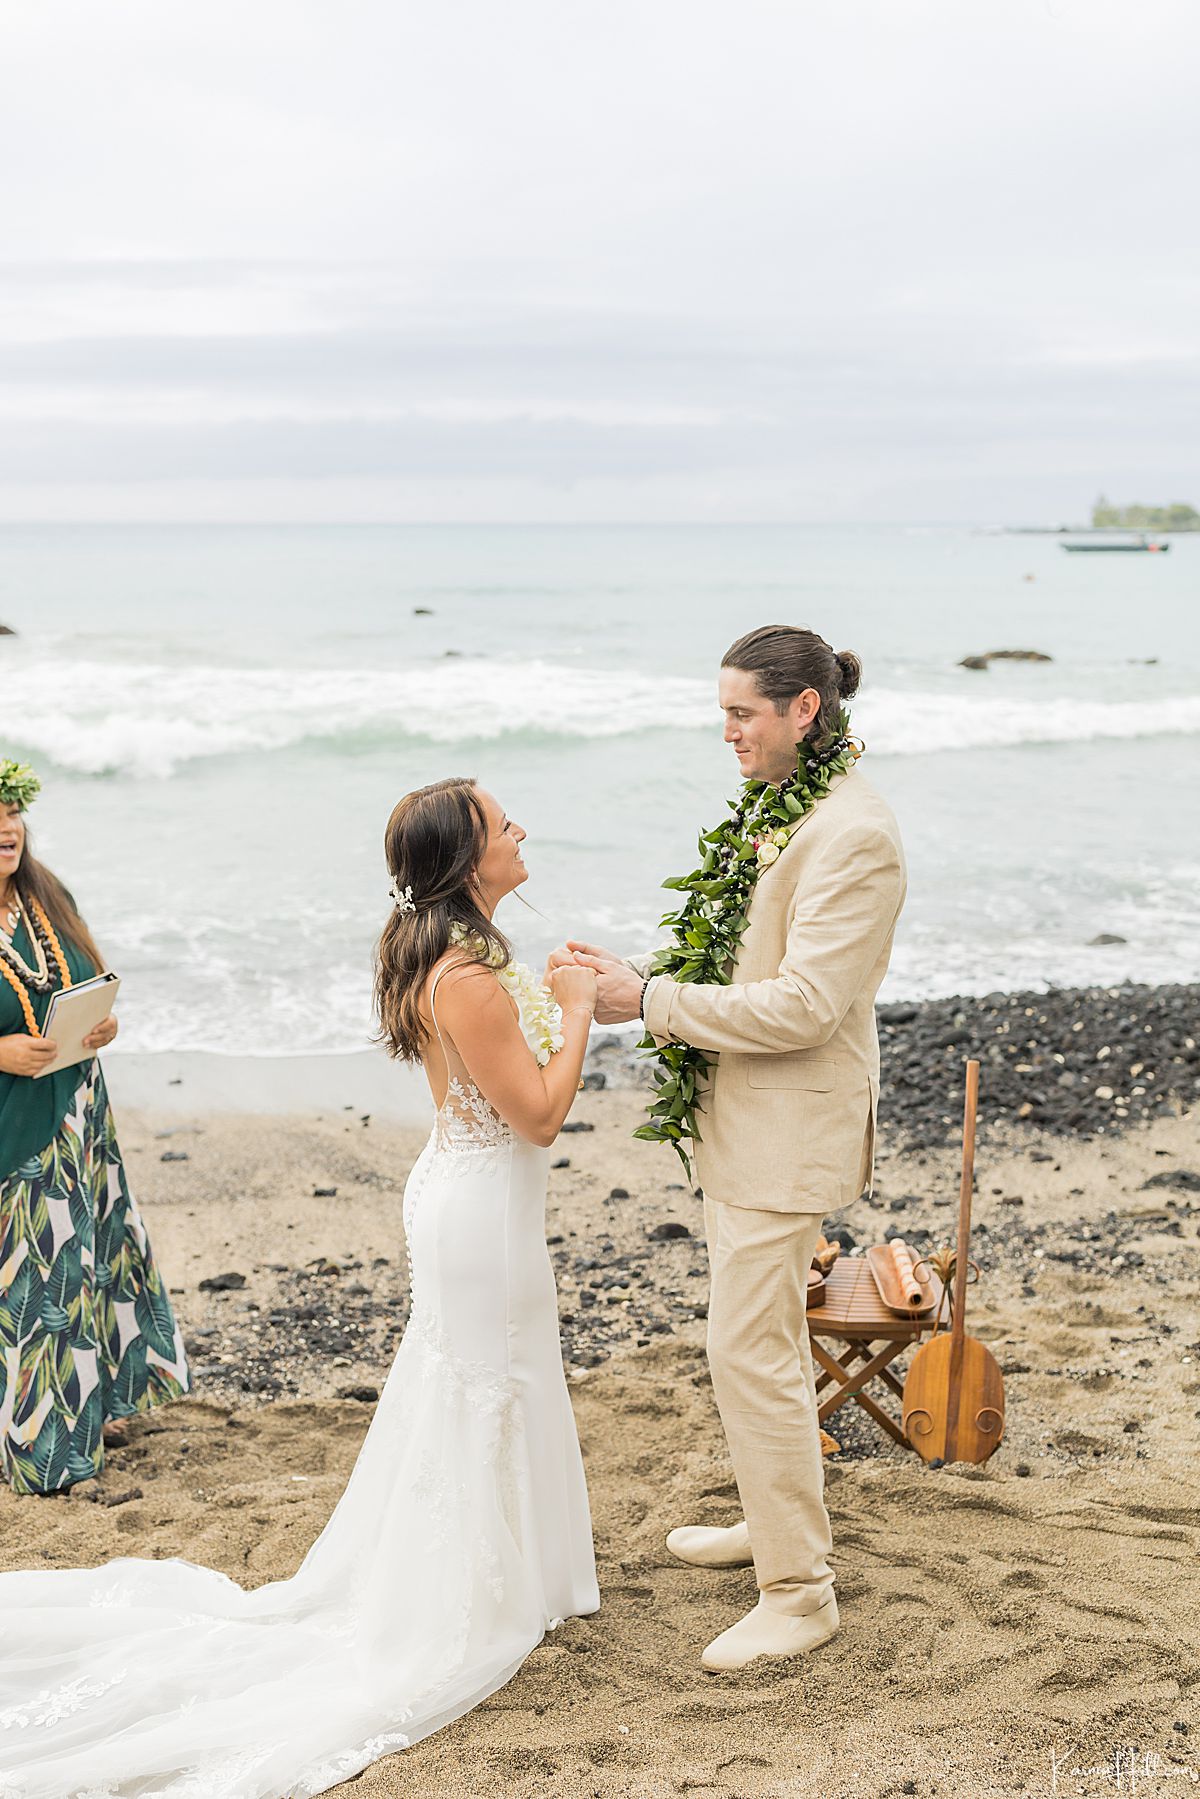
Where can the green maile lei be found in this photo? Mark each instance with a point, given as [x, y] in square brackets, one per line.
[19, 786]
[707, 929]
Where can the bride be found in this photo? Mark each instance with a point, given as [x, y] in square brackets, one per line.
[464, 1532]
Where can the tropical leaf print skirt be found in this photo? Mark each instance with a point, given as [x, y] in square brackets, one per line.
[86, 1329]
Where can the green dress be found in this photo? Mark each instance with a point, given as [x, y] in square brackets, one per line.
[87, 1332]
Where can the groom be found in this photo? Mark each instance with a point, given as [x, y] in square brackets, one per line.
[787, 1120]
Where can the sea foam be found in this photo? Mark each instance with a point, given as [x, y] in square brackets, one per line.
[145, 719]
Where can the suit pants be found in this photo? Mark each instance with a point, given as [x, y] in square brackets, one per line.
[762, 1375]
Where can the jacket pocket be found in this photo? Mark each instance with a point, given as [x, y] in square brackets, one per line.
[798, 1073]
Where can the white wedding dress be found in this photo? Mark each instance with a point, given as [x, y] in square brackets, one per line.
[463, 1534]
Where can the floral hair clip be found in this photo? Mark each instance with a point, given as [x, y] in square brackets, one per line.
[402, 897]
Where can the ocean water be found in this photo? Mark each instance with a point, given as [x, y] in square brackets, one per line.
[223, 718]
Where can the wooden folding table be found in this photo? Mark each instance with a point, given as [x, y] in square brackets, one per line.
[853, 1313]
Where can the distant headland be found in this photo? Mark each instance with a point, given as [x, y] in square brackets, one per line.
[1176, 517]
[1107, 517]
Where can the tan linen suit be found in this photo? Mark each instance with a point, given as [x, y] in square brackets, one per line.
[788, 1135]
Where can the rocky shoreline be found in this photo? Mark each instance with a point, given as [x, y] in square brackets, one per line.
[1083, 1062]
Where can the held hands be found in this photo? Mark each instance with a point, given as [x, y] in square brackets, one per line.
[558, 958]
[103, 1034]
[26, 1055]
[572, 986]
[618, 987]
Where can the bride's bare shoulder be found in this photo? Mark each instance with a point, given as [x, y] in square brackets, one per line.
[467, 991]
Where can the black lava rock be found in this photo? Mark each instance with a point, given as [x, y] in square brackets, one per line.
[1131, 1052]
[669, 1229]
[1180, 1180]
[222, 1283]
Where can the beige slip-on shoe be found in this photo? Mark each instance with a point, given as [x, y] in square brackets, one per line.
[767, 1632]
[710, 1548]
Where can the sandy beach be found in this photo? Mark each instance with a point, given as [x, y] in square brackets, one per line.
[1001, 1625]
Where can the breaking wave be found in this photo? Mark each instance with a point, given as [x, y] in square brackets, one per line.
[148, 720]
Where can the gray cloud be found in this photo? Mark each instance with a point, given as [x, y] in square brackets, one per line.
[928, 262]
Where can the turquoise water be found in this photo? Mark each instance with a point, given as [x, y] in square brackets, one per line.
[224, 716]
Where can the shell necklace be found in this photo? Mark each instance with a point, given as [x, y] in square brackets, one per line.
[16, 971]
[37, 977]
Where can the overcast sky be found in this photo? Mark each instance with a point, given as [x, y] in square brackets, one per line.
[624, 259]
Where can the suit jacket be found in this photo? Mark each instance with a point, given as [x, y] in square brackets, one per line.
[788, 1113]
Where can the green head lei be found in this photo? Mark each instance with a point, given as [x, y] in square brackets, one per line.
[19, 786]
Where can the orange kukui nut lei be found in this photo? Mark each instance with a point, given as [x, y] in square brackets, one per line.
[18, 986]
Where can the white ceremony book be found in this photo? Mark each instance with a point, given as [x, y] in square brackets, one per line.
[74, 1012]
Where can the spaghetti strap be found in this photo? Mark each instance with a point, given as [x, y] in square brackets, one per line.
[447, 963]
[437, 975]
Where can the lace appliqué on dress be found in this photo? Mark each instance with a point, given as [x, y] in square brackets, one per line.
[53, 1704]
[221, 1779]
[117, 1594]
[466, 1122]
[494, 1399]
[488, 1393]
[347, 1765]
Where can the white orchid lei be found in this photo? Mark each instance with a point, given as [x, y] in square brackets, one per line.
[537, 1008]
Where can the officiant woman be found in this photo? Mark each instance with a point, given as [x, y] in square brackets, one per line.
[87, 1334]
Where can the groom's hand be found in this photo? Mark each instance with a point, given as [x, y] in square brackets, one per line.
[618, 988]
[594, 956]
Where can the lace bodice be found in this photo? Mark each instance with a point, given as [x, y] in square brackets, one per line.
[466, 1121]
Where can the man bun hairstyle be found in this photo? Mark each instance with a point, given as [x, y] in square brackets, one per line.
[785, 659]
[849, 673]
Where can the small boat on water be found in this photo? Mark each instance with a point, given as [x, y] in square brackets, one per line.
[1149, 545]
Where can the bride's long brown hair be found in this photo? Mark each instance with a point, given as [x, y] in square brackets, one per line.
[34, 881]
[434, 841]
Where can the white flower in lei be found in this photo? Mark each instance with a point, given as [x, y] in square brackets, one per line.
[537, 1008]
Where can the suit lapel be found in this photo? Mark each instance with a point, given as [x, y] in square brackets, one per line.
[778, 870]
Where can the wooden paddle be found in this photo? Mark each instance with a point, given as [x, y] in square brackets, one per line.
[953, 1405]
